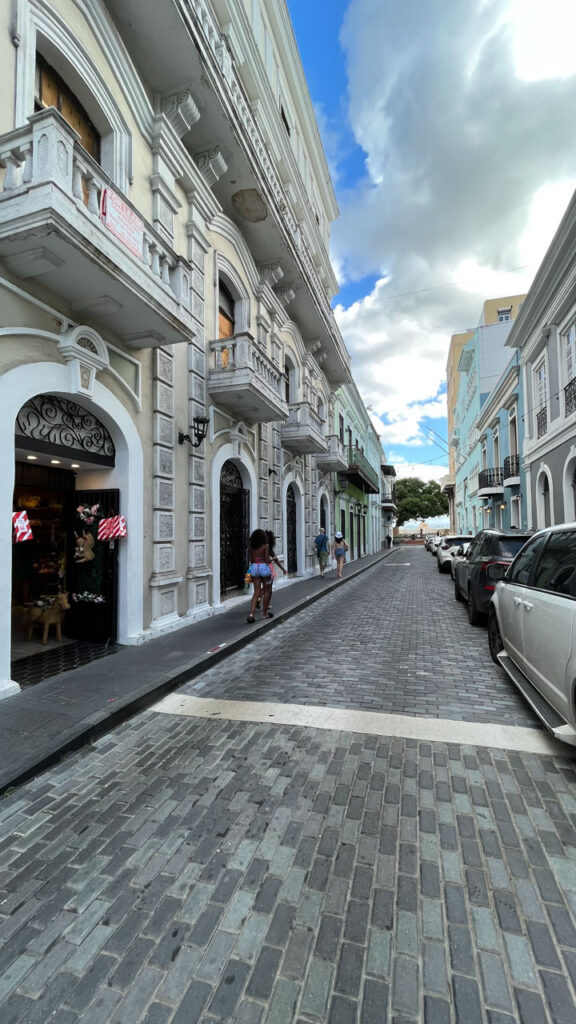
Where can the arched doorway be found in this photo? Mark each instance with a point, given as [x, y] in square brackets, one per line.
[17, 386]
[59, 445]
[544, 501]
[324, 513]
[234, 529]
[291, 530]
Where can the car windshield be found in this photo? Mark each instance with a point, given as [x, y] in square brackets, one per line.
[509, 547]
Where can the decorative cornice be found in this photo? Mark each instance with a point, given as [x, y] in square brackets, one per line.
[270, 273]
[181, 110]
[285, 295]
[211, 165]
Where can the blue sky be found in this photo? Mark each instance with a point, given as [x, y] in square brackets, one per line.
[443, 193]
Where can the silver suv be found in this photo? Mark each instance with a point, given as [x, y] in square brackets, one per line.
[532, 626]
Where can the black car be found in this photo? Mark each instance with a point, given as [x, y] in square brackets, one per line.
[471, 583]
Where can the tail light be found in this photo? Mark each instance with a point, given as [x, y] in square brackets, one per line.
[495, 561]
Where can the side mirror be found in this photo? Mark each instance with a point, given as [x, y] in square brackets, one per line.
[496, 571]
[460, 550]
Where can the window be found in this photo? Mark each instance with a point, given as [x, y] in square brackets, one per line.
[522, 568]
[51, 91]
[496, 444]
[341, 428]
[284, 119]
[289, 382]
[570, 353]
[225, 312]
[540, 385]
[557, 568]
[504, 315]
[513, 435]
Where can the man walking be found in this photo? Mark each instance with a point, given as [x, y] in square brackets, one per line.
[322, 549]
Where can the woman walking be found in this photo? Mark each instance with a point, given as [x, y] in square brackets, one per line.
[274, 560]
[261, 573]
[339, 549]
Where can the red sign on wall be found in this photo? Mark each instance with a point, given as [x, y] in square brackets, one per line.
[122, 222]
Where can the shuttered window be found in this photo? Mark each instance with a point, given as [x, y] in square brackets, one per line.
[51, 91]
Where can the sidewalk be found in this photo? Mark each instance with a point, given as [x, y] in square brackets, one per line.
[43, 722]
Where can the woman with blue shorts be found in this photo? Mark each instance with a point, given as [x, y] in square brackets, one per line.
[339, 549]
[261, 574]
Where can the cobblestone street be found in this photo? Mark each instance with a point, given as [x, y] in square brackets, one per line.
[185, 869]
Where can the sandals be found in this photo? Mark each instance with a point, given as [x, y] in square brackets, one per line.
[269, 615]
[250, 619]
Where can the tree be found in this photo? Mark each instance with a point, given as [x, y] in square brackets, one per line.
[416, 499]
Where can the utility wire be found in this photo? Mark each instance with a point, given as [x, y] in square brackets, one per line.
[440, 287]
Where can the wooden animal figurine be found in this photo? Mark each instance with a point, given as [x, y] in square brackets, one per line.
[84, 547]
[48, 615]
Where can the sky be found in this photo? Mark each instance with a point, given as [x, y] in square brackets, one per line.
[449, 130]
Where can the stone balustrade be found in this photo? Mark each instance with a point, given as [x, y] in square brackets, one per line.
[47, 152]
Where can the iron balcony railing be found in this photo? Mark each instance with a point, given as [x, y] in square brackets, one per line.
[511, 466]
[570, 397]
[358, 465]
[489, 478]
[541, 423]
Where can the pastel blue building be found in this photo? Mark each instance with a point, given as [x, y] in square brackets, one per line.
[482, 440]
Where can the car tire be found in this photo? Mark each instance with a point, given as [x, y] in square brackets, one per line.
[440, 568]
[495, 644]
[475, 618]
[457, 594]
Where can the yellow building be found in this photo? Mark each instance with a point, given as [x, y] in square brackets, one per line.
[493, 311]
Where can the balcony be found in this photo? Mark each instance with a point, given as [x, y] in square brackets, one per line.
[243, 381]
[387, 469]
[63, 222]
[360, 473]
[490, 482]
[455, 437]
[302, 433]
[570, 397]
[542, 423]
[511, 470]
[334, 459]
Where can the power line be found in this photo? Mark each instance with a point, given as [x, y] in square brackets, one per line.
[440, 287]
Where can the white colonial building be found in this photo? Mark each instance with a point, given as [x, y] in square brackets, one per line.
[545, 336]
[167, 348]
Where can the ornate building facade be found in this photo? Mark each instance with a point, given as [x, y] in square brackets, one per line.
[168, 352]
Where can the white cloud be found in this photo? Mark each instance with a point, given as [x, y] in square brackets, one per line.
[421, 470]
[471, 159]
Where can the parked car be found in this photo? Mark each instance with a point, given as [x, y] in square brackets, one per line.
[470, 581]
[445, 551]
[458, 555]
[532, 625]
[432, 542]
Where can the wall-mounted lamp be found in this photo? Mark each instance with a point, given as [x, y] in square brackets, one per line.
[503, 505]
[200, 429]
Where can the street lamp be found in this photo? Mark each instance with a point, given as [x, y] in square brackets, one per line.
[200, 429]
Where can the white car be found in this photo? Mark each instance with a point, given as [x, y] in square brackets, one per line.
[432, 542]
[446, 550]
[459, 556]
[532, 625]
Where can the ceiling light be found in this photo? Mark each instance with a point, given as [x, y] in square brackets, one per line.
[32, 458]
[74, 465]
[54, 462]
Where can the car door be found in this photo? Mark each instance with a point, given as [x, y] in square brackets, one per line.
[549, 608]
[511, 594]
[462, 570]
